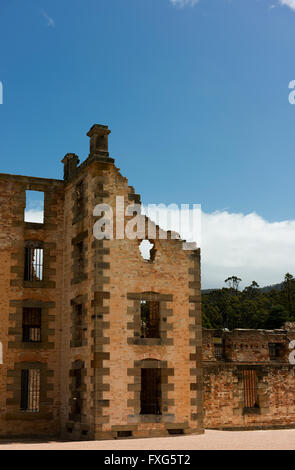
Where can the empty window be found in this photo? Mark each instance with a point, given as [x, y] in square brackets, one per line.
[150, 319]
[80, 257]
[80, 197]
[275, 350]
[33, 263]
[250, 389]
[77, 389]
[31, 325]
[30, 390]
[34, 211]
[78, 325]
[150, 396]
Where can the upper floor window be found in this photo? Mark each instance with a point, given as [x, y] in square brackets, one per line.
[150, 319]
[30, 390]
[31, 325]
[80, 257]
[218, 348]
[275, 350]
[33, 262]
[34, 211]
[80, 196]
[78, 325]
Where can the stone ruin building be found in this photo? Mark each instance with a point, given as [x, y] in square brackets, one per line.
[75, 361]
[98, 343]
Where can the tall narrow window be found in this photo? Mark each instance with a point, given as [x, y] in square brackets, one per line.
[34, 211]
[33, 263]
[250, 389]
[31, 325]
[80, 257]
[150, 396]
[78, 323]
[77, 405]
[80, 197]
[30, 390]
[150, 319]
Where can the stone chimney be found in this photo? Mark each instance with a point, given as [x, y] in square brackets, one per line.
[71, 162]
[99, 140]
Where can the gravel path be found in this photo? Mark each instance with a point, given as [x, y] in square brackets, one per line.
[211, 440]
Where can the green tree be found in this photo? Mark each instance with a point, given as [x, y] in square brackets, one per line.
[233, 282]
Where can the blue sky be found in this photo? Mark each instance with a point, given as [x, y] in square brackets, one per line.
[196, 96]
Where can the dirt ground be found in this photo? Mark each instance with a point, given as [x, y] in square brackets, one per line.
[211, 440]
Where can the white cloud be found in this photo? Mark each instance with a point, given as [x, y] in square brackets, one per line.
[50, 21]
[288, 3]
[34, 215]
[247, 246]
[244, 245]
[183, 3]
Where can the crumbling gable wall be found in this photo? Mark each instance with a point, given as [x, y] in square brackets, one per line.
[115, 280]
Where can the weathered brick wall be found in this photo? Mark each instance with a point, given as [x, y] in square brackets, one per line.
[224, 402]
[15, 294]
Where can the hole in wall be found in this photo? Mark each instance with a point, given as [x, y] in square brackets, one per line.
[147, 250]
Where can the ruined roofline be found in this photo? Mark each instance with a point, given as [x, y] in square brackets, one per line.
[27, 179]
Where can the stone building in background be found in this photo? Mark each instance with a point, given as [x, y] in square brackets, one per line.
[96, 342]
[249, 380]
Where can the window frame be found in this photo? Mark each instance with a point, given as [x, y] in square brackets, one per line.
[30, 390]
[27, 327]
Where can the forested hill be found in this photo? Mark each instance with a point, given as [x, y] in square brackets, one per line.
[254, 307]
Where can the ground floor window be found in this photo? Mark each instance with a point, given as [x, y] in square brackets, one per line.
[30, 390]
[150, 396]
[250, 389]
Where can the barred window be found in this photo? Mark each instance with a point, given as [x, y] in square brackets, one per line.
[33, 263]
[250, 389]
[218, 348]
[30, 390]
[218, 351]
[150, 396]
[31, 325]
[150, 319]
